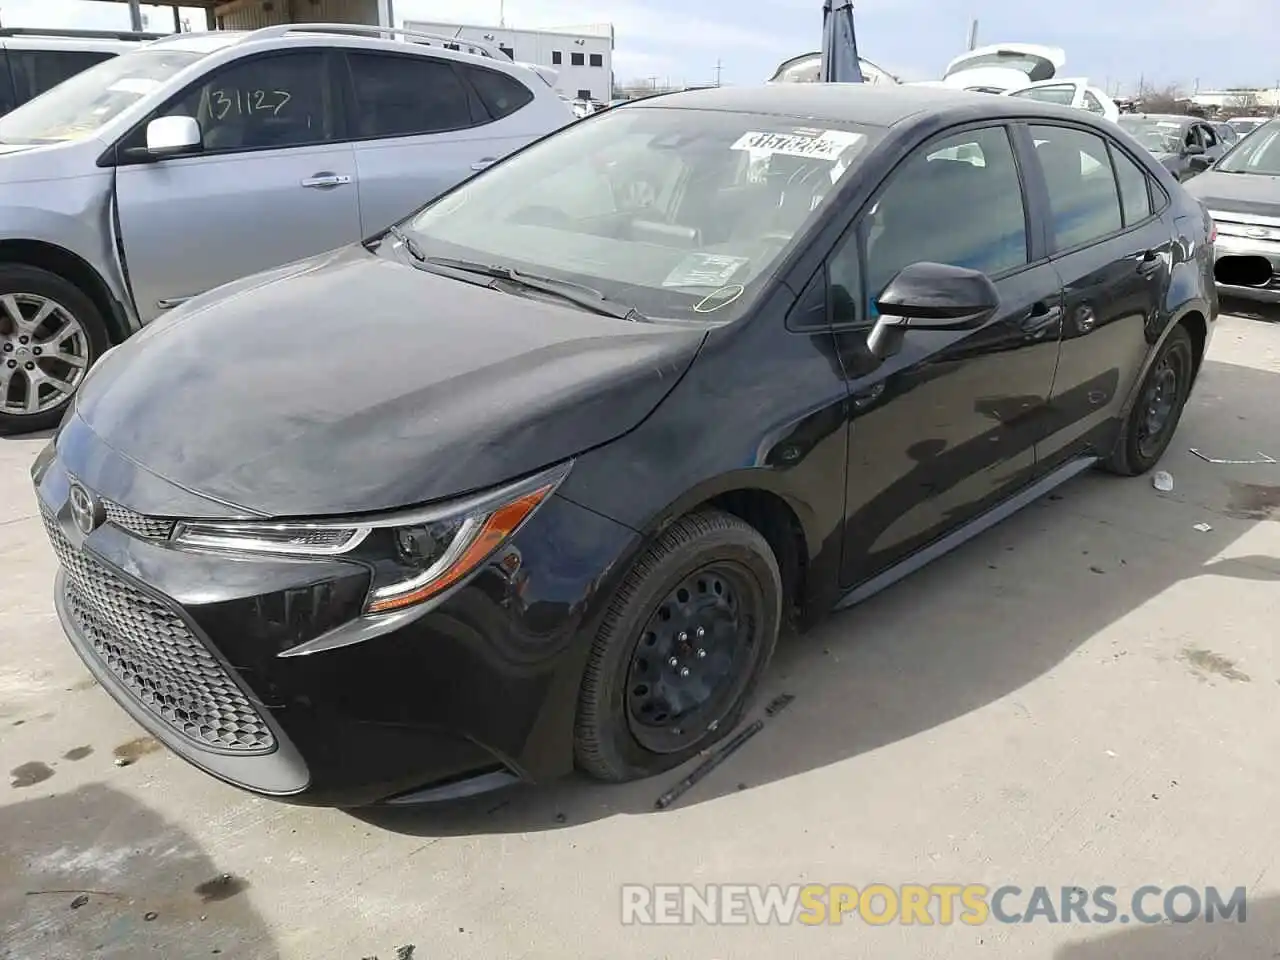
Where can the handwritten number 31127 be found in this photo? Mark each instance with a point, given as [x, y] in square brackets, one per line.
[223, 102]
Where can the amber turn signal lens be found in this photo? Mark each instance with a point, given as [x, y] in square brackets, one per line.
[497, 528]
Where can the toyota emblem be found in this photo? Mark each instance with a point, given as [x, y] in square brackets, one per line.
[86, 510]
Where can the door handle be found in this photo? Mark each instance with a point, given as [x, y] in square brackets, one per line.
[484, 162]
[1041, 318]
[1149, 263]
[326, 181]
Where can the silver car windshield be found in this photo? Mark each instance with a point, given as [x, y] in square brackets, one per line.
[1259, 153]
[678, 212]
[83, 103]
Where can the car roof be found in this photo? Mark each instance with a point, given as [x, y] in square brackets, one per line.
[1171, 117]
[873, 105]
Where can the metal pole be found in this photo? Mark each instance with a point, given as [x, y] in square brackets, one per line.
[973, 34]
[135, 14]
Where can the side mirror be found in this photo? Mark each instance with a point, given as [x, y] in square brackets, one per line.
[1193, 150]
[169, 136]
[931, 296]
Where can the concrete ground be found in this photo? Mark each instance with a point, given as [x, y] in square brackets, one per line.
[1087, 694]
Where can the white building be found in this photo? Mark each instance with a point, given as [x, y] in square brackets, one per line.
[582, 55]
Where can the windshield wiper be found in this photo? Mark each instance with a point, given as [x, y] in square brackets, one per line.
[576, 293]
[408, 243]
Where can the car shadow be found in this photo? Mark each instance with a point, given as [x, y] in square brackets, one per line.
[1258, 936]
[33, 435]
[93, 872]
[1055, 575]
[1252, 309]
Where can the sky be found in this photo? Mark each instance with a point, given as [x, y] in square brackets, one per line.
[1204, 43]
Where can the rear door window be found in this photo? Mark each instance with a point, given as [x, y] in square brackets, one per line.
[405, 96]
[1083, 198]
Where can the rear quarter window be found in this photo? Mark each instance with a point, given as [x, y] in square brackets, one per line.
[502, 95]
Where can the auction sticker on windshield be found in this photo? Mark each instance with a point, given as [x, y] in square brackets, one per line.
[704, 270]
[816, 144]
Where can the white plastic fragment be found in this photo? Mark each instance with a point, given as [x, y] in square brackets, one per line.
[1203, 527]
[1162, 481]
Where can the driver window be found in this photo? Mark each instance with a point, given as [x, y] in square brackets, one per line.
[956, 200]
[262, 103]
[1191, 139]
[1209, 137]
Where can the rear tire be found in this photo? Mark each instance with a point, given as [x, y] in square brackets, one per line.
[1150, 425]
[50, 335]
[707, 594]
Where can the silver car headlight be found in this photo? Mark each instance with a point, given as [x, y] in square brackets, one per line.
[415, 555]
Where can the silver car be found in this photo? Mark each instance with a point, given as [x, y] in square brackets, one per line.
[199, 159]
[1242, 194]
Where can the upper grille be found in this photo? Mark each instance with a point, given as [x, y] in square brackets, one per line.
[152, 652]
[149, 528]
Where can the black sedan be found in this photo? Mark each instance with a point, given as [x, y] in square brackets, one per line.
[533, 480]
[1187, 146]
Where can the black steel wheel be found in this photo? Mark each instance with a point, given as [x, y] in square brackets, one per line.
[1151, 423]
[682, 647]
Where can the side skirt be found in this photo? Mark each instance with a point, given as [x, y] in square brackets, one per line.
[955, 538]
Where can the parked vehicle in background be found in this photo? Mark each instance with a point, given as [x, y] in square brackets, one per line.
[197, 159]
[1242, 194]
[1073, 92]
[1185, 145]
[999, 67]
[33, 61]
[553, 465]
[1246, 125]
[1227, 134]
[807, 68]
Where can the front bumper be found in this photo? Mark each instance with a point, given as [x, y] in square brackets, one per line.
[1233, 241]
[190, 643]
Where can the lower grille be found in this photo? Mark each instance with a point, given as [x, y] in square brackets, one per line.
[152, 652]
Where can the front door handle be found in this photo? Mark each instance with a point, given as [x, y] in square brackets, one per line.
[326, 181]
[484, 162]
[1042, 317]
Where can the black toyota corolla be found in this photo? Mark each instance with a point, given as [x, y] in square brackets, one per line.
[533, 480]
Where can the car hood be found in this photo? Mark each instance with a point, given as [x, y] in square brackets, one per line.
[351, 382]
[1248, 193]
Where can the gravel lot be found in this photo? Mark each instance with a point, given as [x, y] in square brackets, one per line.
[1087, 694]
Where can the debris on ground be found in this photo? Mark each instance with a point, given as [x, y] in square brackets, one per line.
[778, 704]
[1162, 480]
[707, 766]
[79, 901]
[1203, 527]
[405, 952]
[150, 915]
[1208, 459]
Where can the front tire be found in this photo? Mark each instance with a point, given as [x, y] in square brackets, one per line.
[1150, 425]
[50, 335]
[683, 646]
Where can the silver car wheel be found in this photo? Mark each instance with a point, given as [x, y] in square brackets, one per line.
[44, 354]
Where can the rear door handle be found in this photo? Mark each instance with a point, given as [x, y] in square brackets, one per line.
[326, 181]
[484, 162]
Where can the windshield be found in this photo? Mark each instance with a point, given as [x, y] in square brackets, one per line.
[80, 105]
[678, 213]
[1158, 136]
[1257, 153]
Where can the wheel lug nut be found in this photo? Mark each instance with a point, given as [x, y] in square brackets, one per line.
[673, 662]
[23, 339]
[31, 366]
[683, 637]
[701, 654]
[700, 633]
[8, 347]
[13, 363]
[684, 671]
[37, 351]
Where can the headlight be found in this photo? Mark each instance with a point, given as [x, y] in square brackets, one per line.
[415, 555]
